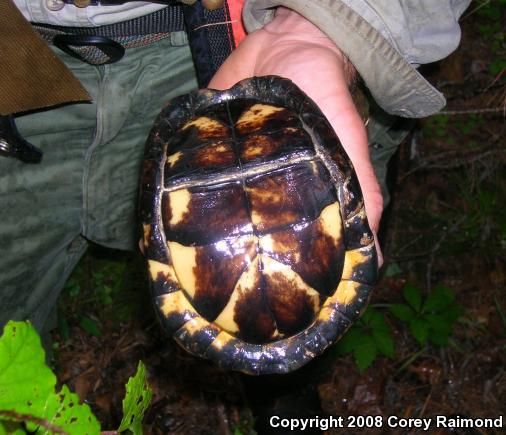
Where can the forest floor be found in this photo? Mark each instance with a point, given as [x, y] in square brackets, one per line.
[445, 234]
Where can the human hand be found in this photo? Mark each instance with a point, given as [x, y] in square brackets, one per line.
[292, 47]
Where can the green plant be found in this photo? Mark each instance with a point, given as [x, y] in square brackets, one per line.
[29, 400]
[438, 124]
[368, 337]
[431, 319]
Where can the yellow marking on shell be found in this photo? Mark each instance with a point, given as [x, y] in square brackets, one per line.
[207, 93]
[330, 219]
[254, 151]
[175, 302]
[185, 263]
[179, 202]
[222, 339]
[269, 245]
[326, 312]
[245, 284]
[155, 267]
[355, 258]
[264, 196]
[204, 123]
[194, 325]
[146, 231]
[257, 113]
[346, 292]
[271, 267]
[173, 158]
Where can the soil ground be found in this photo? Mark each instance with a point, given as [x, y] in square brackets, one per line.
[445, 227]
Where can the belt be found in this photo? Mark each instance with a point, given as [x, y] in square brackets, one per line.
[107, 44]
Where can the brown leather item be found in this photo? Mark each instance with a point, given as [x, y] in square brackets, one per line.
[32, 76]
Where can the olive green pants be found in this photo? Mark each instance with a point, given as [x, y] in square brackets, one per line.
[85, 188]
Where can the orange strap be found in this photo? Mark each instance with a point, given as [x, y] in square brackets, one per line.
[235, 10]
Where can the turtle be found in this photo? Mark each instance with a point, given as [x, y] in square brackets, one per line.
[258, 248]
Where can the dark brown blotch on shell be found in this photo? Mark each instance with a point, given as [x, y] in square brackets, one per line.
[209, 159]
[216, 274]
[291, 195]
[214, 212]
[162, 284]
[252, 314]
[291, 306]
[155, 248]
[148, 176]
[313, 254]
[352, 196]
[286, 142]
[216, 154]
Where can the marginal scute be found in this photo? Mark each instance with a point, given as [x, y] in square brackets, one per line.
[167, 271]
[195, 325]
[173, 303]
[146, 232]
[346, 292]
[355, 260]
[222, 340]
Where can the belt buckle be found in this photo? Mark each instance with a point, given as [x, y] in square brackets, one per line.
[114, 50]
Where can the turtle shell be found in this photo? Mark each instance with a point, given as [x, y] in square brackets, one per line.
[258, 247]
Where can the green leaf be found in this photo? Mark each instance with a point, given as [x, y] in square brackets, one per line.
[440, 340]
[402, 312]
[439, 324]
[439, 299]
[90, 326]
[420, 329]
[384, 342]
[11, 428]
[413, 296]
[377, 321]
[349, 340]
[64, 411]
[136, 401]
[27, 385]
[452, 313]
[367, 315]
[497, 66]
[63, 328]
[25, 380]
[365, 352]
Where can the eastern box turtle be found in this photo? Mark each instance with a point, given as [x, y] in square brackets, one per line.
[258, 247]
